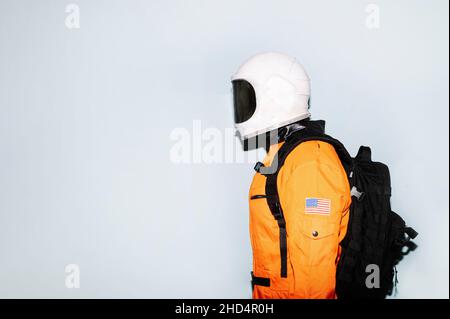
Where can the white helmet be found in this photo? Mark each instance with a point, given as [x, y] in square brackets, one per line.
[270, 90]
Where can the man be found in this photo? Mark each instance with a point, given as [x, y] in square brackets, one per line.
[300, 196]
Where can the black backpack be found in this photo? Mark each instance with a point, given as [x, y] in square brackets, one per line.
[376, 238]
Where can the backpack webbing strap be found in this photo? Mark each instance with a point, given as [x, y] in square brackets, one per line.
[351, 247]
[352, 242]
[273, 200]
[260, 281]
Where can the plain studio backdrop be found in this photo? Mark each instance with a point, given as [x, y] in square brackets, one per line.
[94, 95]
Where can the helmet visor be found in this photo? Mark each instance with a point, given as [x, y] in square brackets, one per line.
[244, 100]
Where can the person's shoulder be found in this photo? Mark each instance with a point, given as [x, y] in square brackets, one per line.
[312, 152]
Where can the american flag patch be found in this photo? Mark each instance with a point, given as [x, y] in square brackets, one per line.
[318, 206]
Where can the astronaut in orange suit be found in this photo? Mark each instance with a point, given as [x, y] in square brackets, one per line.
[295, 253]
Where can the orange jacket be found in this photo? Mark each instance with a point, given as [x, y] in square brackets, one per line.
[311, 171]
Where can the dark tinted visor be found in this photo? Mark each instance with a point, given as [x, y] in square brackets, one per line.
[244, 100]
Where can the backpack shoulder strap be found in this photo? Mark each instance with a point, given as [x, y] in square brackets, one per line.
[272, 171]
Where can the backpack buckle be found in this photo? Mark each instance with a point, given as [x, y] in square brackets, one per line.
[278, 215]
[258, 166]
[411, 232]
[264, 170]
[359, 195]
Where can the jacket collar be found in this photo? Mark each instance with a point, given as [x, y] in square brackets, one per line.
[312, 126]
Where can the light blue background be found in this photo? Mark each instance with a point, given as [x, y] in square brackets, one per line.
[86, 117]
